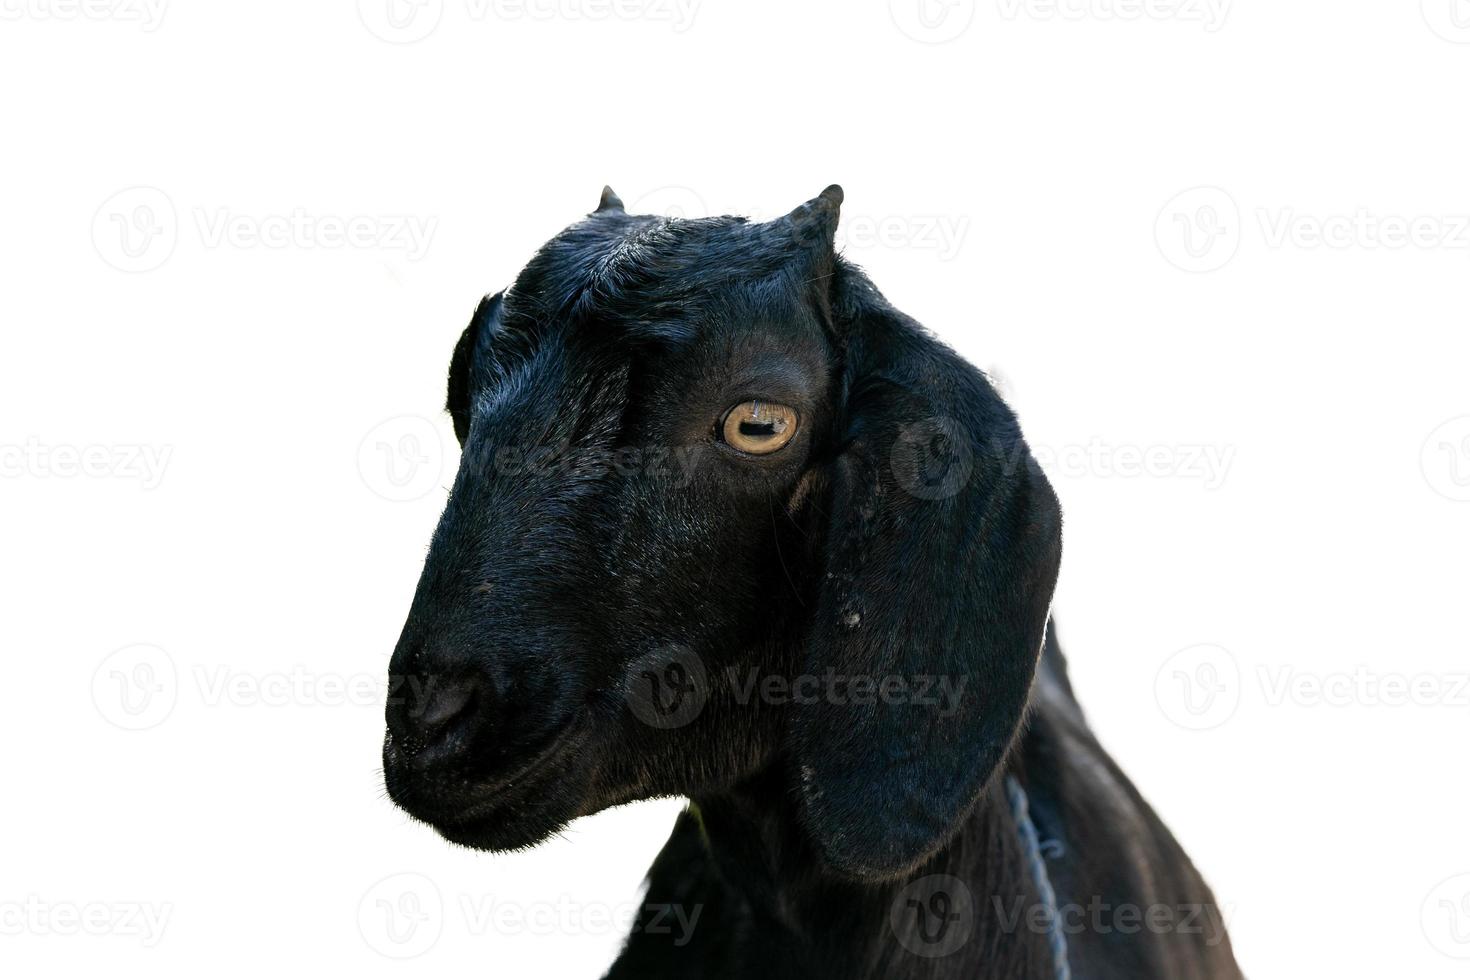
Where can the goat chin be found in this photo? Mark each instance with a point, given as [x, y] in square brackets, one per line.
[508, 815]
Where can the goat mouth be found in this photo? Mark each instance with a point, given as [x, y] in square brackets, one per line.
[509, 811]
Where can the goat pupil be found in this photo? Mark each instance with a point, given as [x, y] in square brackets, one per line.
[762, 430]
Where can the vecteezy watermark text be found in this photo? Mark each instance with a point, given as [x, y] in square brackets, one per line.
[1362, 228]
[122, 461]
[939, 691]
[568, 916]
[148, 14]
[138, 687]
[1201, 230]
[35, 916]
[403, 915]
[1210, 14]
[1202, 686]
[138, 229]
[407, 233]
[1103, 918]
[409, 21]
[1206, 463]
[674, 464]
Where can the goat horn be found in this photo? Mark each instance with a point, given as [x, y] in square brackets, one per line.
[610, 201]
[815, 222]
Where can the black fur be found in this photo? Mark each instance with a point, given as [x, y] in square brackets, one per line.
[832, 650]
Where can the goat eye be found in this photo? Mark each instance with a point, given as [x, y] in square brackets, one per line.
[758, 427]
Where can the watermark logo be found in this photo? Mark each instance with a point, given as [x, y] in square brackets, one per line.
[1445, 459]
[1450, 19]
[402, 458]
[1198, 688]
[1203, 686]
[400, 21]
[932, 21]
[933, 916]
[933, 458]
[405, 915]
[1445, 917]
[136, 687]
[402, 916]
[667, 687]
[220, 685]
[1199, 229]
[136, 229]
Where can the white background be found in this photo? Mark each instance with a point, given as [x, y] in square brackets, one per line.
[1030, 188]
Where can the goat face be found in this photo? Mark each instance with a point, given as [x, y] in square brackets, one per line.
[698, 455]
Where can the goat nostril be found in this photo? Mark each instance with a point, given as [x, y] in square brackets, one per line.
[437, 716]
[446, 700]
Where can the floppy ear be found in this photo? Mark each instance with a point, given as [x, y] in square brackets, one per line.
[943, 545]
[482, 326]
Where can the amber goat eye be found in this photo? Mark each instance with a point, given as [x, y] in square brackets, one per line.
[758, 427]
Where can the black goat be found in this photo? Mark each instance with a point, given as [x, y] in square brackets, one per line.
[729, 526]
